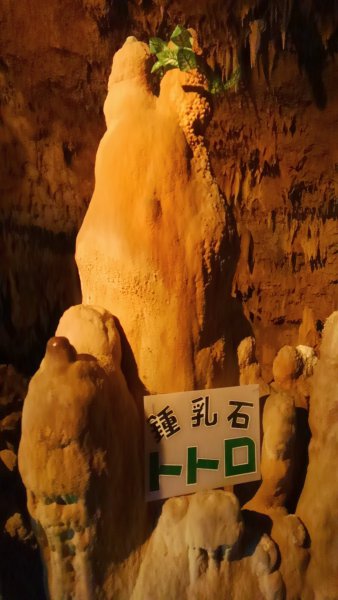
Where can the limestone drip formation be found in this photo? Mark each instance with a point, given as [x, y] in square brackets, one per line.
[155, 244]
[155, 260]
[272, 149]
[81, 461]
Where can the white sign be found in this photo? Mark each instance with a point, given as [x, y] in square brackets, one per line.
[201, 440]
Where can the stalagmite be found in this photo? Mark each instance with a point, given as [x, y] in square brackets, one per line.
[293, 369]
[249, 368]
[279, 428]
[154, 247]
[155, 258]
[79, 456]
[256, 29]
[318, 503]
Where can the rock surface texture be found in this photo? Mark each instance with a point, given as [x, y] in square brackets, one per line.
[199, 242]
[155, 244]
[272, 148]
[317, 505]
[162, 269]
[77, 418]
[81, 461]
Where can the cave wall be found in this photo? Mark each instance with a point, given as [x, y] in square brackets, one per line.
[271, 143]
[276, 163]
[54, 64]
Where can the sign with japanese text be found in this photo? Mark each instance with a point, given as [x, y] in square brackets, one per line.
[201, 440]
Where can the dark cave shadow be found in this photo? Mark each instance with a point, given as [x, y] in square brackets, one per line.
[27, 581]
[130, 370]
[255, 525]
[29, 585]
[333, 43]
[301, 458]
[306, 39]
[138, 390]
[41, 256]
[246, 78]
[230, 324]
[311, 52]
[246, 491]
[296, 479]
[225, 313]
[31, 258]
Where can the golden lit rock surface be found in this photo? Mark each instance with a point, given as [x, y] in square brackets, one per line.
[83, 481]
[82, 435]
[259, 195]
[155, 242]
[205, 542]
[249, 368]
[318, 503]
[272, 148]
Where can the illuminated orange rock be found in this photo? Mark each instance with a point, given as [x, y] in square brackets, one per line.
[318, 504]
[205, 542]
[249, 368]
[81, 461]
[282, 458]
[80, 457]
[153, 248]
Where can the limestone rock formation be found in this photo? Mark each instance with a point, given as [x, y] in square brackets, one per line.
[272, 149]
[279, 431]
[209, 553]
[163, 249]
[283, 457]
[285, 429]
[249, 368]
[318, 503]
[154, 245]
[292, 370]
[308, 333]
[80, 458]
[81, 461]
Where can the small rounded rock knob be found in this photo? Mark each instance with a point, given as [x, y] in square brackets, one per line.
[287, 365]
[60, 350]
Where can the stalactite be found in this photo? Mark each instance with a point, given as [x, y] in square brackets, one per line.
[256, 29]
[228, 63]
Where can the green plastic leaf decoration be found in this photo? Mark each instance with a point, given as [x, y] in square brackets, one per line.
[70, 498]
[179, 54]
[156, 45]
[186, 59]
[181, 37]
[156, 67]
[167, 58]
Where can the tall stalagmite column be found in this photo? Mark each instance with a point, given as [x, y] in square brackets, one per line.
[155, 245]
